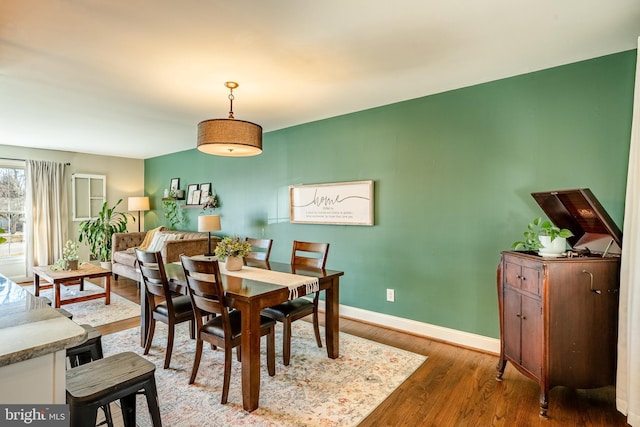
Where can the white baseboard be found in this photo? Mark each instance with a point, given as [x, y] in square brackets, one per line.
[453, 336]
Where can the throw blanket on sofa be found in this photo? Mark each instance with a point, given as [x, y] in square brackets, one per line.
[148, 238]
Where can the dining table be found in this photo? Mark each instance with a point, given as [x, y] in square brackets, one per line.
[250, 297]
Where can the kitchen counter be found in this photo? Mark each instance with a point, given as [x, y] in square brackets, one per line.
[33, 340]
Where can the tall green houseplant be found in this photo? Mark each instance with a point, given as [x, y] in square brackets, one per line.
[97, 232]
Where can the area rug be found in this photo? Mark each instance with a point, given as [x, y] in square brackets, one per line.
[93, 312]
[312, 391]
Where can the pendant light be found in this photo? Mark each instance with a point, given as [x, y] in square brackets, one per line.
[230, 137]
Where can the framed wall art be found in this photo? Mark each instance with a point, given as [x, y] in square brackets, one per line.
[190, 190]
[205, 190]
[346, 203]
[196, 198]
[175, 184]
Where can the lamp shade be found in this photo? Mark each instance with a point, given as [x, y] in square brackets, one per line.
[229, 137]
[209, 223]
[138, 203]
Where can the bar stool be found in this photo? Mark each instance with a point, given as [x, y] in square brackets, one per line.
[89, 350]
[103, 381]
[86, 352]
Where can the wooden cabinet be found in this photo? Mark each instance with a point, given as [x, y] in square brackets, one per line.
[558, 320]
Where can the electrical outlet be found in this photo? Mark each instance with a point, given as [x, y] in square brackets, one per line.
[391, 296]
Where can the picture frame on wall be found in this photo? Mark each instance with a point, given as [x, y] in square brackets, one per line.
[196, 197]
[175, 184]
[190, 190]
[205, 190]
[344, 203]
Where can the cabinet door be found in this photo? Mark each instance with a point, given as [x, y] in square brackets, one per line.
[511, 323]
[532, 335]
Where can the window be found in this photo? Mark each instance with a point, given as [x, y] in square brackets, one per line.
[89, 194]
[12, 214]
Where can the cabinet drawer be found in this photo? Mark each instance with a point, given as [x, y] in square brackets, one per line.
[523, 274]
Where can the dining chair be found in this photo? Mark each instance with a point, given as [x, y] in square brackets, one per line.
[260, 250]
[164, 305]
[303, 254]
[224, 330]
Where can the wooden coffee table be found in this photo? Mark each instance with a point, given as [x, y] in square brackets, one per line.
[71, 277]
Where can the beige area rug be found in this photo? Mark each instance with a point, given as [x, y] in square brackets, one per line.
[312, 391]
[93, 312]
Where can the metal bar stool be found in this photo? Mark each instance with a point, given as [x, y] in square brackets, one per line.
[86, 352]
[103, 381]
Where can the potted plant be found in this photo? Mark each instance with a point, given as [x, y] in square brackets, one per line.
[543, 237]
[233, 249]
[70, 255]
[2, 239]
[98, 232]
[171, 210]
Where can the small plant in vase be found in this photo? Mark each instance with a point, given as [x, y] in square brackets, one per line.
[70, 255]
[210, 202]
[232, 249]
[543, 237]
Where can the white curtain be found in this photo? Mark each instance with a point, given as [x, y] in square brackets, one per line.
[628, 375]
[47, 213]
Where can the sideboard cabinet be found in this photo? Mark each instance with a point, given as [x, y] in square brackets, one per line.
[559, 316]
[558, 320]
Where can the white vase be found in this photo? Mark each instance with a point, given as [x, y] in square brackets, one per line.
[234, 263]
[552, 248]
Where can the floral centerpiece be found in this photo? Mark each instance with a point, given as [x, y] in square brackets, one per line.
[232, 249]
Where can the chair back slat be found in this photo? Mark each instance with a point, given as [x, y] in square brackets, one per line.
[154, 276]
[309, 254]
[205, 287]
[260, 249]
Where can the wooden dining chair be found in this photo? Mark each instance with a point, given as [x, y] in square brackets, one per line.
[163, 304]
[304, 254]
[207, 296]
[260, 250]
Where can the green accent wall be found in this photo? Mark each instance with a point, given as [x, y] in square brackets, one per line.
[453, 175]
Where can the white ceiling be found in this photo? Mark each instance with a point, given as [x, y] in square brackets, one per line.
[133, 78]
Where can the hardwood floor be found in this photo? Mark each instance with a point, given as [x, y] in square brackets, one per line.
[457, 386]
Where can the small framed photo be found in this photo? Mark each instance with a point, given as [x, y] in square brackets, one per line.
[196, 197]
[175, 184]
[190, 190]
[205, 190]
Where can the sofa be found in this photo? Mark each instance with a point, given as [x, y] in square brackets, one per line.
[186, 242]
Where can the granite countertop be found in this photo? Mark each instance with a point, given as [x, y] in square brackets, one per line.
[29, 328]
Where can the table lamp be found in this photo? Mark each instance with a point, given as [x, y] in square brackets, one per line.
[209, 223]
[138, 204]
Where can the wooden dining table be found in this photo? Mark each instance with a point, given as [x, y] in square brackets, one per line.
[250, 297]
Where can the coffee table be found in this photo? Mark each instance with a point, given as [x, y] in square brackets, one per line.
[71, 277]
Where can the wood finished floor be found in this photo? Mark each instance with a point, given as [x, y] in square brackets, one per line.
[457, 386]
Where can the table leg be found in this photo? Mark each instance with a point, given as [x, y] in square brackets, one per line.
[250, 344]
[56, 293]
[107, 289]
[332, 319]
[36, 284]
